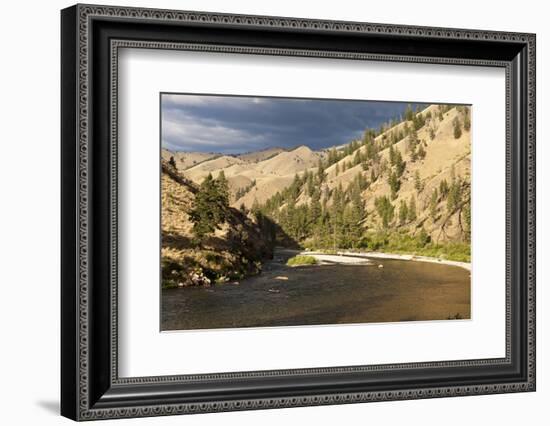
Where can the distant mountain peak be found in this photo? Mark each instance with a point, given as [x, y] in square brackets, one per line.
[302, 149]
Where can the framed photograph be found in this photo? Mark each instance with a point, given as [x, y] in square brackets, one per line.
[263, 212]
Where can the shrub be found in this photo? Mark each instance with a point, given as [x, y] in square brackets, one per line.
[374, 241]
[457, 131]
[467, 120]
[423, 238]
[301, 260]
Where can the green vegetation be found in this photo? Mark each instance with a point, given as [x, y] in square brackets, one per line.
[313, 214]
[420, 245]
[209, 210]
[327, 214]
[403, 212]
[412, 209]
[457, 131]
[467, 122]
[241, 192]
[385, 210]
[409, 114]
[444, 188]
[301, 260]
[434, 201]
[205, 267]
[334, 225]
[201, 258]
[417, 182]
[394, 183]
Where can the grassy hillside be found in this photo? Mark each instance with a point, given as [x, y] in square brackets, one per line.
[257, 156]
[184, 160]
[256, 176]
[233, 251]
[404, 187]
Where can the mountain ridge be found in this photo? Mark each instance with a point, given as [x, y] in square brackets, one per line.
[422, 161]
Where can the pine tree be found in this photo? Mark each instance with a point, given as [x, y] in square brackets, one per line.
[409, 113]
[421, 153]
[467, 220]
[403, 212]
[412, 209]
[332, 156]
[395, 184]
[417, 182]
[354, 214]
[310, 183]
[336, 215]
[433, 205]
[385, 210]
[172, 162]
[255, 206]
[454, 196]
[371, 149]
[399, 163]
[412, 142]
[314, 211]
[209, 208]
[294, 189]
[392, 155]
[223, 188]
[467, 121]
[418, 121]
[382, 167]
[443, 188]
[457, 131]
[423, 238]
[321, 175]
[356, 158]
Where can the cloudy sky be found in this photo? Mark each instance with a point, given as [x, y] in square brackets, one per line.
[232, 125]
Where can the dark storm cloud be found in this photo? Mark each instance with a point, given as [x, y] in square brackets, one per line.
[230, 124]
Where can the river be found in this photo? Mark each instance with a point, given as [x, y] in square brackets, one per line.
[384, 290]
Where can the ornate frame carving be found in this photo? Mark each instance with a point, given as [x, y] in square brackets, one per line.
[85, 397]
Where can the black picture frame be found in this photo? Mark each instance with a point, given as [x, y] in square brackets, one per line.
[90, 386]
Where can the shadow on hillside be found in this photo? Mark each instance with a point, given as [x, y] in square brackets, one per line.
[276, 234]
[176, 241]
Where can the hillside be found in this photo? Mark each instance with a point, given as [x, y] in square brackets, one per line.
[200, 171]
[289, 162]
[255, 177]
[443, 154]
[257, 156]
[184, 160]
[404, 187]
[233, 251]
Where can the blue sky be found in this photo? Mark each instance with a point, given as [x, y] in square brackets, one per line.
[233, 124]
